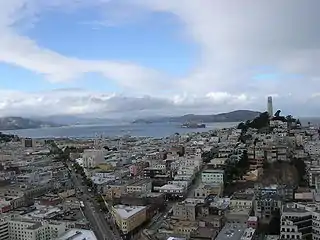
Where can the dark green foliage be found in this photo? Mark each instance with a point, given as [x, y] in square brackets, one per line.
[7, 137]
[235, 170]
[301, 168]
[260, 122]
[298, 122]
[207, 156]
[277, 114]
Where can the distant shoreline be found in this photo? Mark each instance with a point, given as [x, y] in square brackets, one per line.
[90, 131]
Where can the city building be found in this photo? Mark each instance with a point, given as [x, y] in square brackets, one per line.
[184, 211]
[93, 157]
[28, 143]
[128, 218]
[299, 221]
[78, 234]
[20, 228]
[212, 176]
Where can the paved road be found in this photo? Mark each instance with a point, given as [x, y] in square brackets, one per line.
[196, 183]
[92, 212]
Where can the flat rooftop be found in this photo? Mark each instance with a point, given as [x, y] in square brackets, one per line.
[170, 186]
[213, 171]
[231, 231]
[242, 196]
[140, 182]
[78, 234]
[126, 212]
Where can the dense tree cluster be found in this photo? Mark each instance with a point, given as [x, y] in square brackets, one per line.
[208, 155]
[235, 170]
[259, 122]
[301, 168]
[262, 122]
[8, 137]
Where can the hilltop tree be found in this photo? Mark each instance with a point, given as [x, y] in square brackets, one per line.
[277, 114]
[298, 122]
[261, 121]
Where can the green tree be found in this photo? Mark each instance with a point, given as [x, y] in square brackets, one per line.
[298, 122]
[277, 114]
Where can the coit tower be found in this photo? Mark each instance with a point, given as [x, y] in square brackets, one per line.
[270, 107]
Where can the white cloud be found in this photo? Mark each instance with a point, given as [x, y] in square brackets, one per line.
[235, 38]
[79, 102]
[24, 52]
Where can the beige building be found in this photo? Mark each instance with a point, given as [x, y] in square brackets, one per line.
[141, 186]
[93, 157]
[204, 190]
[129, 218]
[242, 201]
[184, 228]
[22, 229]
[113, 191]
[184, 211]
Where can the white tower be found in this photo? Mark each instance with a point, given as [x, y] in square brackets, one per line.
[270, 107]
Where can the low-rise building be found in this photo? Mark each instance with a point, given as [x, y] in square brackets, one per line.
[212, 176]
[78, 234]
[204, 190]
[141, 186]
[184, 211]
[129, 218]
[19, 228]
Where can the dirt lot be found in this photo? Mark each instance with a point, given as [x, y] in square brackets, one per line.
[276, 173]
[280, 173]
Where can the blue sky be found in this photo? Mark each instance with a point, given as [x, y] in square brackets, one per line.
[158, 57]
[159, 46]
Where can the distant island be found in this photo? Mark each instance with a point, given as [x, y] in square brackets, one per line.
[16, 123]
[234, 116]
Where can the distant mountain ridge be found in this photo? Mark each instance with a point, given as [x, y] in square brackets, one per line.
[75, 120]
[234, 116]
[15, 123]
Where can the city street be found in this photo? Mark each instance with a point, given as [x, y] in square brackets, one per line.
[92, 212]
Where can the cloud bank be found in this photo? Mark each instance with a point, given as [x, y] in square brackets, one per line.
[238, 40]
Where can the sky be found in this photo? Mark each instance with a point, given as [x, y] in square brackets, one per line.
[114, 58]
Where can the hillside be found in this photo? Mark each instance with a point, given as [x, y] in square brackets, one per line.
[234, 116]
[15, 123]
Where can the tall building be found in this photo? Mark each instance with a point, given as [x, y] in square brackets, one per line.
[28, 143]
[270, 107]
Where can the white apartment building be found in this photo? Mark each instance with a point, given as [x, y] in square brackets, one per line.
[312, 147]
[4, 233]
[214, 139]
[300, 221]
[225, 152]
[187, 170]
[195, 162]
[278, 124]
[188, 178]
[314, 177]
[212, 176]
[173, 190]
[22, 229]
[93, 157]
[218, 162]
[34, 177]
[181, 183]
